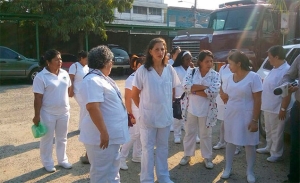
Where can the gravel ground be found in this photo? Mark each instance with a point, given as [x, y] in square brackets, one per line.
[20, 162]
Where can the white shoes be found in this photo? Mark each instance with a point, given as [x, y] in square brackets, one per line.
[198, 140]
[66, 165]
[263, 151]
[136, 159]
[185, 160]
[177, 140]
[219, 145]
[250, 178]
[208, 163]
[123, 165]
[226, 174]
[50, 169]
[274, 159]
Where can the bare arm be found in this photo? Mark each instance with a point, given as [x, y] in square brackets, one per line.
[253, 125]
[38, 99]
[97, 118]
[128, 100]
[200, 93]
[71, 88]
[198, 88]
[284, 104]
[135, 94]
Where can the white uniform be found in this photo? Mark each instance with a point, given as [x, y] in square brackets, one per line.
[156, 118]
[171, 62]
[105, 163]
[271, 105]
[134, 131]
[79, 72]
[54, 113]
[239, 110]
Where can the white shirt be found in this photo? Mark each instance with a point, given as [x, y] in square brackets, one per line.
[181, 72]
[270, 102]
[54, 89]
[96, 88]
[171, 62]
[224, 74]
[128, 85]
[156, 95]
[79, 72]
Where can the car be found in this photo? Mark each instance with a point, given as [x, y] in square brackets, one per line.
[15, 65]
[121, 58]
[292, 51]
[67, 60]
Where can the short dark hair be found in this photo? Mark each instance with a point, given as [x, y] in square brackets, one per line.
[277, 50]
[241, 57]
[135, 60]
[48, 56]
[99, 56]
[149, 61]
[82, 54]
[203, 54]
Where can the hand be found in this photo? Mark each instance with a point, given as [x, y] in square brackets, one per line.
[71, 93]
[36, 120]
[191, 65]
[253, 126]
[293, 89]
[282, 115]
[224, 97]
[104, 140]
[133, 121]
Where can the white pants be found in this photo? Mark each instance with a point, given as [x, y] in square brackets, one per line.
[177, 124]
[193, 126]
[274, 133]
[57, 124]
[105, 164]
[151, 137]
[82, 108]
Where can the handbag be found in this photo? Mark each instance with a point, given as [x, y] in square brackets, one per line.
[177, 113]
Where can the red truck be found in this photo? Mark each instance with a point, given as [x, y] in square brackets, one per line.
[247, 25]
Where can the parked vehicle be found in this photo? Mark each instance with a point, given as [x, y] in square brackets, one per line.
[292, 51]
[247, 25]
[15, 65]
[121, 59]
[67, 60]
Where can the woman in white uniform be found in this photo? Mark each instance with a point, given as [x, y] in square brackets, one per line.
[242, 93]
[51, 108]
[152, 93]
[199, 106]
[133, 111]
[105, 125]
[275, 107]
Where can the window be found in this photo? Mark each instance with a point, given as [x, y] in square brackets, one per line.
[8, 54]
[140, 10]
[291, 57]
[154, 11]
[127, 10]
[217, 20]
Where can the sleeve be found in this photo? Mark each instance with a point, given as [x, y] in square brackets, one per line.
[128, 82]
[187, 81]
[256, 84]
[138, 78]
[38, 85]
[292, 73]
[175, 79]
[213, 89]
[96, 94]
[72, 69]
[221, 70]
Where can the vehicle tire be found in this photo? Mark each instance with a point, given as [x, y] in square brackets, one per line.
[261, 123]
[33, 73]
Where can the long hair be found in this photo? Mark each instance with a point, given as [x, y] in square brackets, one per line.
[149, 61]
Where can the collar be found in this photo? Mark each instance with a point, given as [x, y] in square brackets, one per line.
[282, 66]
[45, 71]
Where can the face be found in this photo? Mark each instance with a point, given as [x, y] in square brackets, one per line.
[234, 67]
[158, 52]
[272, 59]
[84, 60]
[206, 64]
[55, 63]
[187, 59]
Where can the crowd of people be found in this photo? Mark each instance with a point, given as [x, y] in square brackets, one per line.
[234, 97]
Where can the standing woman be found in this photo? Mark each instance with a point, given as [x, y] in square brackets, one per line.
[152, 93]
[275, 107]
[51, 108]
[105, 127]
[199, 106]
[243, 97]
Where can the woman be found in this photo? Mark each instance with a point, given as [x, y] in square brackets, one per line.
[51, 108]
[133, 111]
[242, 93]
[202, 86]
[174, 52]
[152, 94]
[275, 107]
[105, 127]
[181, 64]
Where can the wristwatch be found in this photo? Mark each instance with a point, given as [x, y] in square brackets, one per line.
[282, 109]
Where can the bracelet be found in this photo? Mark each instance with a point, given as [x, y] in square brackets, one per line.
[255, 120]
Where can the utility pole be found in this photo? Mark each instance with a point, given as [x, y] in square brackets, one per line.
[195, 13]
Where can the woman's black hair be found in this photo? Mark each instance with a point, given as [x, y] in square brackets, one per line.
[48, 56]
[99, 56]
[149, 61]
[277, 50]
[241, 57]
[82, 54]
[179, 59]
[135, 60]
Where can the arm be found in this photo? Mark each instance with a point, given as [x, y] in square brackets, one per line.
[284, 104]
[135, 95]
[71, 88]
[224, 96]
[253, 125]
[97, 118]
[38, 98]
[128, 104]
[214, 86]
[198, 88]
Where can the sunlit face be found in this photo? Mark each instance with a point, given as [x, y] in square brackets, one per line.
[272, 59]
[206, 64]
[186, 60]
[55, 63]
[158, 52]
[234, 67]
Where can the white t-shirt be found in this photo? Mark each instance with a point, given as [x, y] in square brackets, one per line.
[128, 85]
[54, 89]
[171, 62]
[79, 71]
[96, 88]
[270, 102]
[181, 72]
[156, 95]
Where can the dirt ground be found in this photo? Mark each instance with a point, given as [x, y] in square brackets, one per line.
[20, 161]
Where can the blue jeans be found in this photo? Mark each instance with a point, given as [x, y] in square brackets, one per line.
[294, 174]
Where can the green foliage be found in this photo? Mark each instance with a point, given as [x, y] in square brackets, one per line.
[63, 17]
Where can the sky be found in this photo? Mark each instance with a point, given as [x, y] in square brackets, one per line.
[201, 4]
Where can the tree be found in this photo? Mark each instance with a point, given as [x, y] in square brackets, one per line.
[65, 17]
